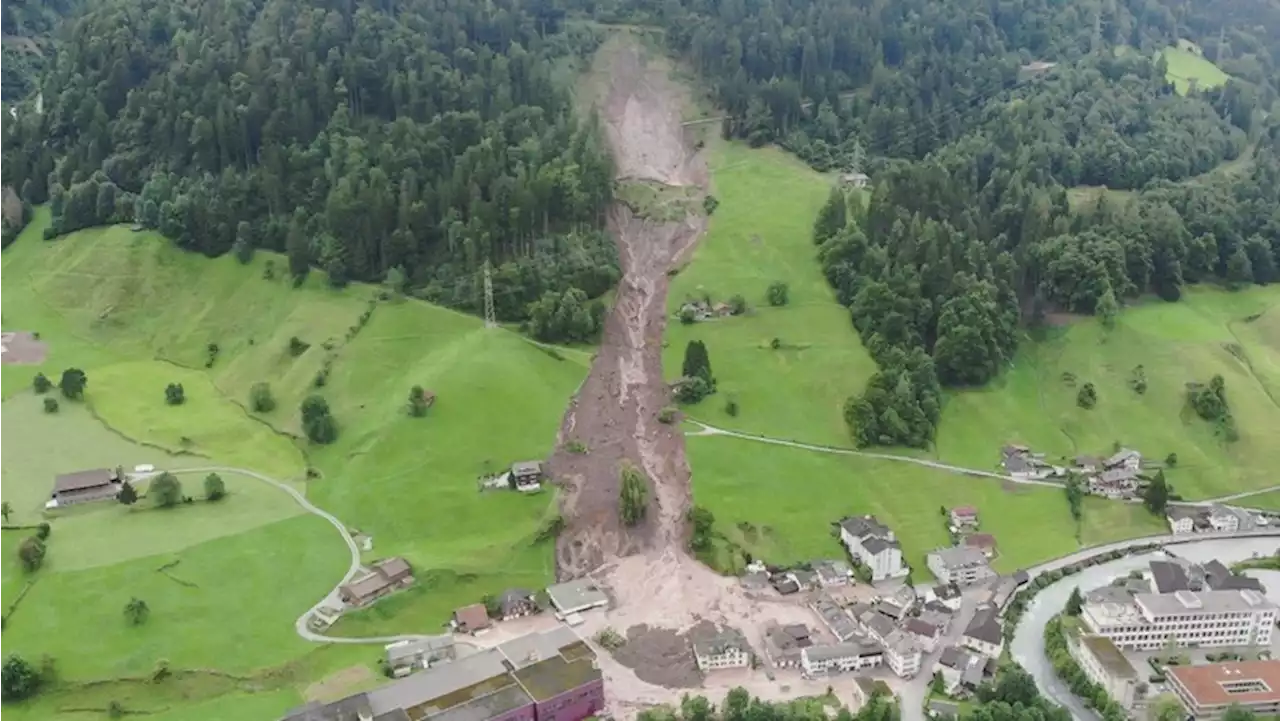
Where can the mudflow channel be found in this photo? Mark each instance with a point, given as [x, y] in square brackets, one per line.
[615, 413]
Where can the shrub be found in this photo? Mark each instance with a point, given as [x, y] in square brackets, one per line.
[731, 406]
[41, 384]
[667, 415]
[174, 395]
[136, 611]
[43, 530]
[693, 390]
[610, 639]
[710, 203]
[297, 346]
[576, 446]
[776, 343]
[269, 270]
[779, 294]
[211, 354]
[31, 553]
[1087, 397]
[50, 405]
[418, 402]
[737, 305]
[1171, 460]
[260, 398]
[688, 316]
[73, 383]
[214, 488]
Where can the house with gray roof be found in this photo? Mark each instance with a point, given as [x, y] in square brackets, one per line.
[783, 644]
[1218, 577]
[724, 648]
[984, 633]
[872, 544]
[576, 596]
[832, 573]
[963, 670]
[840, 657]
[405, 657]
[834, 618]
[1168, 576]
[961, 565]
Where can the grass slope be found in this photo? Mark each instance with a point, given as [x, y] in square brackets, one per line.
[1186, 63]
[762, 233]
[1203, 335]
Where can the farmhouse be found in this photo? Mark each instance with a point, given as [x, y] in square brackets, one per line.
[832, 573]
[471, 619]
[964, 517]
[1115, 484]
[386, 576]
[1087, 464]
[1182, 519]
[550, 676]
[526, 475]
[783, 644]
[84, 486]
[874, 545]
[726, 648]
[576, 596]
[855, 180]
[834, 658]
[960, 565]
[1208, 691]
[405, 657]
[1125, 458]
[1019, 462]
[517, 602]
[1106, 666]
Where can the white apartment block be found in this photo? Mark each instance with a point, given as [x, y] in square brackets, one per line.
[903, 654]
[727, 648]
[840, 657]
[1204, 619]
[874, 545]
[961, 565]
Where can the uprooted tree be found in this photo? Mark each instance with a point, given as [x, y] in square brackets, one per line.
[633, 500]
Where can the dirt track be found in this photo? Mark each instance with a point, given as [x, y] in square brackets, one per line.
[615, 412]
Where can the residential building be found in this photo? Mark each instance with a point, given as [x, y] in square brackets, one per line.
[1087, 464]
[1125, 458]
[408, 656]
[960, 565]
[833, 573]
[1221, 518]
[1168, 576]
[1207, 691]
[526, 475]
[902, 654]
[384, 577]
[784, 584]
[807, 580]
[1106, 666]
[874, 545]
[1182, 519]
[947, 594]
[99, 484]
[855, 180]
[890, 609]
[864, 688]
[576, 596]
[834, 618]
[984, 633]
[755, 580]
[550, 676]
[725, 648]
[1115, 483]
[1001, 590]
[471, 619]
[516, 603]
[1220, 578]
[937, 614]
[877, 625]
[1203, 619]
[926, 634]
[840, 657]
[984, 542]
[963, 670]
[964, 517]
[783, 644]
[943, 710]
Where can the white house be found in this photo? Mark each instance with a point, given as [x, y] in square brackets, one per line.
[726, 648]
[848, 656]
[903, 654]
[960, 565]
[872, 543]
[984, 633]
[1125, 458]
[1182, 519]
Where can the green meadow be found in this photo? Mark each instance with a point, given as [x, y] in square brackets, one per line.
[137, 314]
[1185, 63]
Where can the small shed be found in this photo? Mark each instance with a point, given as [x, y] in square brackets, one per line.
[526, 475]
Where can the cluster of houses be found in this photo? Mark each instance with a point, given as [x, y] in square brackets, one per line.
[815, 575]
[1116, 476]
[1211, 519]
[1176, 604]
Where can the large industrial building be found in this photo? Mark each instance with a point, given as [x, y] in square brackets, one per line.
[1203, 619]
[549, 676]
[1208, 691]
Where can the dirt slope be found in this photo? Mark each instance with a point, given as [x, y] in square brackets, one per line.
[615, 411]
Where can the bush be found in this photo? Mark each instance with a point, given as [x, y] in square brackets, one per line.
[31, 553]
[610, 639]
[1171, 460]
[737, 305]
[710, 203]
[211, 354]
[779, 294]
[136, 611]
[1087, 397]
[419, 402]
[317, 421]
[269, 270]
[73, 383]
[776, 343]
[41, 384]
[731, 406]
[214, 488]
[688, 316]
[260, 398]
[19, 678]
[667, 415]
[43, 530]
[693, 390]
[174, 395]
[50, 405]
[297, 346]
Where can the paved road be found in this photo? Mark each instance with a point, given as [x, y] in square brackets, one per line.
[300, 625]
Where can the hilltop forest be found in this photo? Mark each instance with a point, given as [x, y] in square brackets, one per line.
[409, 141]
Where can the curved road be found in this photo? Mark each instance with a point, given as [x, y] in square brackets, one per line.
[300, 625]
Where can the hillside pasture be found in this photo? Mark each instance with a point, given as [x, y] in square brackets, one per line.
[1186, 64]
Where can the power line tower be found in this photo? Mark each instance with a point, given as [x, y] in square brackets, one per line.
[490, 320]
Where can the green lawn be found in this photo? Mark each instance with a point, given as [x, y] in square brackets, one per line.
[1176, 343]
[790, 497]
[1186, 63]
[136, 314]
[762, 233]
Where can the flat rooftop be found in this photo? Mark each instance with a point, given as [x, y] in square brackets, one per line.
[547, 679]
[576, 595]
[1109, 656]
[481, 708]
[1197, 602]
[1222, 684]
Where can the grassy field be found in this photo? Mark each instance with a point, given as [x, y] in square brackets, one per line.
[786, 500]
[136, 314]
[1186, 63]
[762, 233]
[1175, 343]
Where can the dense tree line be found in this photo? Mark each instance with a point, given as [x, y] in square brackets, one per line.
[360, 137]
[739, 705]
